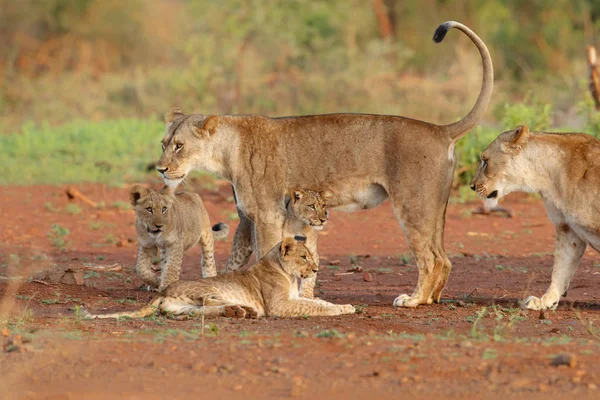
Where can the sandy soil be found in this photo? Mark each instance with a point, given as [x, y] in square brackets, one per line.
[476, 344]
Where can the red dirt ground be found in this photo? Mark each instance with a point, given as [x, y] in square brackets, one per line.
[476, 344]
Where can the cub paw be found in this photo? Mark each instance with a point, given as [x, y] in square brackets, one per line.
[234, 311]
[251, 313]
[347, 309]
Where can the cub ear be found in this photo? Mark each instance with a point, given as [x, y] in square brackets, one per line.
[518, 141]
[208, 128]
[300, 239]
[287, 246]
[173, 115]
[326, 195]
[136, 194]
[296, 194]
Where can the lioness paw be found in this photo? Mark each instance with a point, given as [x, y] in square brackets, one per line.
[548, 301]
[405, 300]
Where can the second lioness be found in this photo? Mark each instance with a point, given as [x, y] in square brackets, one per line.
[306, 214]
[172, 223]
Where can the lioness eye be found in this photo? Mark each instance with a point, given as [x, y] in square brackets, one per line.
[149, 209]
[178, 146]
[312, 207]
[164, 210]
[163, 146]
[483, 163]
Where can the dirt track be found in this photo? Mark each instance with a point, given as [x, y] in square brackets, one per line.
[475, 344]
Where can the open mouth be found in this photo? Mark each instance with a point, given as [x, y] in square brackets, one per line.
[317, 227]
[493, 195]
[155, 231]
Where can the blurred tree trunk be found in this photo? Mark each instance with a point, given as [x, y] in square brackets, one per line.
[383, 19]
[594, 76]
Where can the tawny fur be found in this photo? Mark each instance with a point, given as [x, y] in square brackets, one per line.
[168, 224]
[363, 159]
[306, 214]
[565, 170]
[268, 288]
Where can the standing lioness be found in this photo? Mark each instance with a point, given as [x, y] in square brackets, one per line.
[362, 158]
[565, 170]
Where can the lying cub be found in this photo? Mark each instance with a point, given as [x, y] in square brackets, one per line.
[172, 223]
[565, 170]
[268, 288]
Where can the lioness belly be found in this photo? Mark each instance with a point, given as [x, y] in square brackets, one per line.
[367, 197]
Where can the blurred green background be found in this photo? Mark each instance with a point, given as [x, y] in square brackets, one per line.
[86, 82]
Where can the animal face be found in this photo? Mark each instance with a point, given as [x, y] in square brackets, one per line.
[310, 207]
[500, 170]
[151, 209]
[186, 145]
[296, 259]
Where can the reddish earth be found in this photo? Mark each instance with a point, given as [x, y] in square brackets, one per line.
[476, 344]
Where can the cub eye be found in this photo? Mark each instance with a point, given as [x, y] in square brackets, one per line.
[304, 258]
[312, 207]
[163, 146]
[483, 163]
[149, 209]
[164, 210]
[178, 146]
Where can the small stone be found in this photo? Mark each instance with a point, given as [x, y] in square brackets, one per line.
[564, 359]
[367, 277]
[356, 268]
[592, 386]
[335, 262]
[460, 303]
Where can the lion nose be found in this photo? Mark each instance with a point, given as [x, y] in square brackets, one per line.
[323, 220]
[162, 170]
[472, 186]
[315, 270]
[158, 225]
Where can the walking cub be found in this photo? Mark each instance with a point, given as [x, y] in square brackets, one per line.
[268, 288]
[565, 169]
[172, 223]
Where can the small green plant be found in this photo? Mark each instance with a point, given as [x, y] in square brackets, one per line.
[212, 329]
[329, 333]
[110, 239]
[361, 308]
[95, 225]
[50, 207]
[73, 209]
[121, 205]
[57, 236]
[405, 258]
[537, 115]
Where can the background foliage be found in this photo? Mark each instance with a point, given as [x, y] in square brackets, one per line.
[98, 60]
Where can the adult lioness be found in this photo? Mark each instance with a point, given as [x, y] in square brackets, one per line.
[267, 288]
[306, 212]
[362, 158]
[172, 223]
[565, 170]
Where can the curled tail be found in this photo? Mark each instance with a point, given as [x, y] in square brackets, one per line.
[460, 128]
[149, 309]
[220, 231]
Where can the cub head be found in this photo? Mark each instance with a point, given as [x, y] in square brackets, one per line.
[295, 258]
[310, 207]
[186, 146]
[151, 209]
[500, 170]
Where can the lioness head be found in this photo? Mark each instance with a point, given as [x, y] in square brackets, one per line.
[151, 209]
[310, 207]
[295, 258]
[500, 170]
[186, 145]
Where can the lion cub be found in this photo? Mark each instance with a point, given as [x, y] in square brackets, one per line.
[268, 288]
[172, 223]
[565, 170]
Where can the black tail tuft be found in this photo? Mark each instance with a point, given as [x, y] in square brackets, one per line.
[440, 32]
[219, 227]
[300, 238]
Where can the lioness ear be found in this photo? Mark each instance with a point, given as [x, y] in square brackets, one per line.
[173, 115]
[136, 193]
[518, 141]
[208, 128]
[287, 245]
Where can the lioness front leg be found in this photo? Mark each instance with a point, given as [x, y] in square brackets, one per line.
[307, 286]
[308, 307]
[268, 231]
[172, 265]
[567, 255]
[242, 246]
[143, 266]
